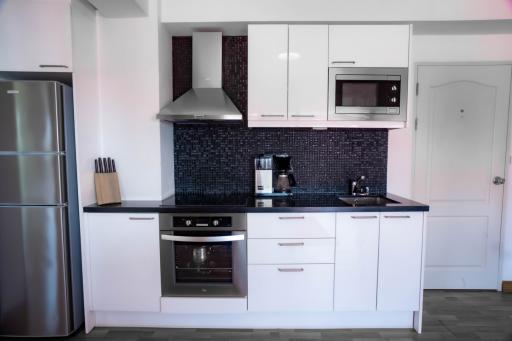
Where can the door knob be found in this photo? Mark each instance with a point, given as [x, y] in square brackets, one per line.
[498, 180]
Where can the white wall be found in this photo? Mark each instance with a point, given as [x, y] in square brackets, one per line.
[329, 10]
[87, 115]
[130, 100]
[451, 48]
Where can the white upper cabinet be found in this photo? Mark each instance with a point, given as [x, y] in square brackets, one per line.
[35, 35]
[124, 261]
[267, 72]
[307, 72]
[400, 263]
[369, 46]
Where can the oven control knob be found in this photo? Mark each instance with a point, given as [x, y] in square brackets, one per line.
[393, 99]
[394, 88]
[215, 222]
[188, 222]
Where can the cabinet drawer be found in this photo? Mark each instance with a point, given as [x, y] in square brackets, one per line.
[291, 225]
[290, 251]
[304, 287]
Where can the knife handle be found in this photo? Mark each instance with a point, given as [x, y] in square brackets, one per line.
[96, 168]
[113, 166]
[100, 165]
[105, 166]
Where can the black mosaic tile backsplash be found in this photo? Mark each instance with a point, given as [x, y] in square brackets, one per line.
[220, 158]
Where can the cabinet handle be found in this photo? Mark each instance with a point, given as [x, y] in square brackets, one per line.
[290, 244]
[290, 269]
[142, 218]
[397, 216]
[53, 65]
[303, 115]
[269, 115]
[364, 217]
[343, 62]
[289, 218]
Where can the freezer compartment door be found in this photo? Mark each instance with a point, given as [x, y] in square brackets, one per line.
[34, 275]
[31, 116]
[27, 179]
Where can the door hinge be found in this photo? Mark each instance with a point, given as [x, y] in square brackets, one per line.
[416, 123]
[417, 88]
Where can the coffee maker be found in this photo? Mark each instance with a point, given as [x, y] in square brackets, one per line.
[274, 175]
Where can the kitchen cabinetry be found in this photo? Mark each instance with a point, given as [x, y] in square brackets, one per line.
[400, 263]
[357, 255]
[267, 72]
[290, 255]
[288, 69]
[35, 35]
[124, 262]
[307, 72]
[378, 261]
[369, 45]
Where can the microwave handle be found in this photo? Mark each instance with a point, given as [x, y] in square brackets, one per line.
[214, 239]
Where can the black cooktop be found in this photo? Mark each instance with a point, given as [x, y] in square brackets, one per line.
[201, 199]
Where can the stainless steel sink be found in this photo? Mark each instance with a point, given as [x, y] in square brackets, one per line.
[367, 201]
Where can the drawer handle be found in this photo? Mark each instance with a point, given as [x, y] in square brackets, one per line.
[288, 218]
[290, 269]
[142, 218]
[343, 62]
[363, 217]
[303, 115]
[53, 65]
[269, 115]
[290, 244]
[397, 216]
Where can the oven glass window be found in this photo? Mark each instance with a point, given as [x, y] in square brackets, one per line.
[203, 262]
[363, 93]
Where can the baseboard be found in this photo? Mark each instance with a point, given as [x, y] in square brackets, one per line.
[506, 286]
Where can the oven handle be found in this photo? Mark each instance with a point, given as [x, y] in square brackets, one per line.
[230, 238]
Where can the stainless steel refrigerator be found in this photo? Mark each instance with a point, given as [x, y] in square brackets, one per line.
[40, 266]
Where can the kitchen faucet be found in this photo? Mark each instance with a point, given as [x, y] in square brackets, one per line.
[358, 187]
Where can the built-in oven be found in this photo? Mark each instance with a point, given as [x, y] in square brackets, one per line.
[373, 94]
[203, 255]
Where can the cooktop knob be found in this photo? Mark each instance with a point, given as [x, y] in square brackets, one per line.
[215, 222]
[393, 99]
[394, 88]
[188, 222]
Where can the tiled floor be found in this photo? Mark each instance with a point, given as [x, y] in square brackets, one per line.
[449, 315]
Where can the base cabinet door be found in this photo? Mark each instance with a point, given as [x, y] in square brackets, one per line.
[400, 252]
[124, 261]
[357, 246]
[301, 287]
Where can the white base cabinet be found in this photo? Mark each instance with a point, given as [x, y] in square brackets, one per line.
[124, 262]
[357, 256]
[304, 287]
[400, 261]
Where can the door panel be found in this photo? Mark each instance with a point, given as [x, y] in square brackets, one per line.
[33, 276]
[30, 117]
[460, 147]
[32, 179]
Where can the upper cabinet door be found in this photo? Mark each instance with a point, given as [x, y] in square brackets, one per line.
[369, 46]
[35, 35]
[307, 72]
[267, 72]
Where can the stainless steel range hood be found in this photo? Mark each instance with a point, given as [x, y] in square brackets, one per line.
[206, 100]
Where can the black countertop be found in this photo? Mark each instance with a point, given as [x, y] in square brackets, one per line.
[244, 203]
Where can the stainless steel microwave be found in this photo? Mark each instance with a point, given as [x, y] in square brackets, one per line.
[368, 94]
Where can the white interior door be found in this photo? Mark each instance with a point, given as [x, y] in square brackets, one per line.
[460, 148]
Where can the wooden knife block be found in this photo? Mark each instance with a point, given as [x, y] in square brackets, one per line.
[107, 188]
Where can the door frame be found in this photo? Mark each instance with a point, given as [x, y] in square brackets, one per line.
[507, 193]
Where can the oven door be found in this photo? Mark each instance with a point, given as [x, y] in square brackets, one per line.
[357, 94]
[203, 263]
